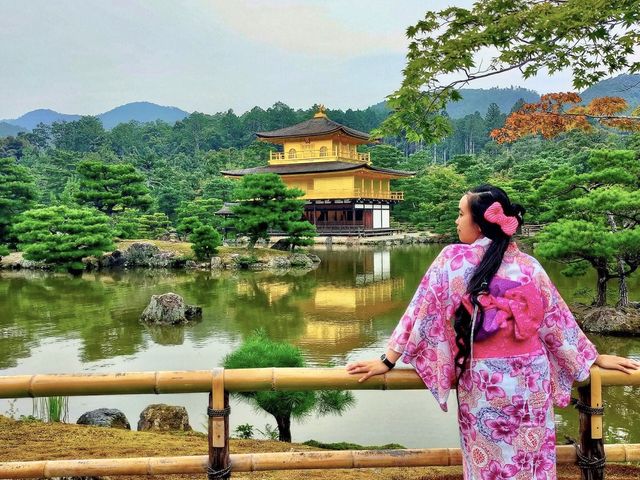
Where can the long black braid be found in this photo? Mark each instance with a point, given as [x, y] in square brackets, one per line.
[480, 199]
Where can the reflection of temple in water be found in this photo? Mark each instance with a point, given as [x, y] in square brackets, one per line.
[376, 267]
[339, 318]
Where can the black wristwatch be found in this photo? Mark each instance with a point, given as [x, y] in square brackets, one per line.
[386, 361]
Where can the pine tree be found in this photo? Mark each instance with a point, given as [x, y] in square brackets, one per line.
[300, 233]
[265, 203]
[203, 210]
[17, 194]
[258, 351]
[112, 188]
[595, 220]
[154, 226]
[64, 236]
[205, 241]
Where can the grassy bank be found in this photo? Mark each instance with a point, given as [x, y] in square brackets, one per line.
[40, 441]
[183, 249]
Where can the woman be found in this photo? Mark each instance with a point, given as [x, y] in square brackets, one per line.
[526, 352]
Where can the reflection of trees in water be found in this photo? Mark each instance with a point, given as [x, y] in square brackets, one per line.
[621, 417]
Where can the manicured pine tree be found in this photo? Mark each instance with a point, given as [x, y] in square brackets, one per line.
[265, 203]
[300, 233]
[200, 211]
[595, 220]
[63, 236]
[112, 188]
[258, 351]
[17, 194]
[205, 241]
[154, 225]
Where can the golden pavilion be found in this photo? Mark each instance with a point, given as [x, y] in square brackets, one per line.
[344, 193]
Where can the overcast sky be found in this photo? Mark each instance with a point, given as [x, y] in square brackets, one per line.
[89, 56]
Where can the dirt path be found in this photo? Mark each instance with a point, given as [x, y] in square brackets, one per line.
[41, 441]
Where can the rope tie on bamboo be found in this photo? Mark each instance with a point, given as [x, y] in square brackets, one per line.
[225, 412]
[215, 474]
[587, 409]
[587, 463]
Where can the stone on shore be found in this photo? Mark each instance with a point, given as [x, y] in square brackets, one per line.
[105, 417]
[169, 309]
[162, 417]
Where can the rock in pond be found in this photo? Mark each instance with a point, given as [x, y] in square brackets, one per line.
[169, 309]
[105, 417]
[164, 417]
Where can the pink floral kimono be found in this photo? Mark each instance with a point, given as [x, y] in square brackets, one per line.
[525, 359]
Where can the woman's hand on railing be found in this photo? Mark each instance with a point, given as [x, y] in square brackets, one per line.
[368, 367]
[613, 362]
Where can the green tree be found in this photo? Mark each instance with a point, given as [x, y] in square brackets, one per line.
[205, 241]
[258, 351]
[83, 135]
[154, 226]
[265, 203]
[17, 194]
[111, 188]
[127, 225]
[596, 217]
[590, 38]
[64, 236]
[300, 233]
[200, 211]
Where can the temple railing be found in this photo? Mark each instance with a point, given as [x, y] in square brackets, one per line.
[220, 463]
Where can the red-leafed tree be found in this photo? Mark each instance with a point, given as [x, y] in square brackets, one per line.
[557, 113]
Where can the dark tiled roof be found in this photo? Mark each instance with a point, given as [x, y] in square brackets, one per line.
[313, 167]
[312, 128]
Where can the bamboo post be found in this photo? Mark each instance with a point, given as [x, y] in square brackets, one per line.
[218, 411]
[591, 449]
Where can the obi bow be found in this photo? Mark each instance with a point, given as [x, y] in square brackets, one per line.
[523, 304]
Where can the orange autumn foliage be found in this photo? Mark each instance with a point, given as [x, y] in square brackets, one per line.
[557, 113]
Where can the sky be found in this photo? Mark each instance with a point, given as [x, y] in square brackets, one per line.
[89, 56]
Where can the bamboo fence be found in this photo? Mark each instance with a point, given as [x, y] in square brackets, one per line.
[219, 382]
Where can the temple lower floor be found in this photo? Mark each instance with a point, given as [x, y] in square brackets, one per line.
[335, 217]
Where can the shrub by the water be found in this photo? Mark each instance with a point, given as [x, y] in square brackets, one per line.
[205, 240]
[63, 236]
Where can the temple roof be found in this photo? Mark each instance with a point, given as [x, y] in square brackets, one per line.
[314, 167]
[314, 127]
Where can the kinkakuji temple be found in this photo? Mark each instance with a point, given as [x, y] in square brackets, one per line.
[344, 193]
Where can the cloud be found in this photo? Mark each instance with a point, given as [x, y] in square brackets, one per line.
[313, 29]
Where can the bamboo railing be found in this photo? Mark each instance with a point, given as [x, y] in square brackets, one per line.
[220, 382]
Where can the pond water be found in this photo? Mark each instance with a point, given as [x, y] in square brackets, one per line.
[343, 311]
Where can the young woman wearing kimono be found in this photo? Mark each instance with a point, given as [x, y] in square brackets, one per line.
[526, 352]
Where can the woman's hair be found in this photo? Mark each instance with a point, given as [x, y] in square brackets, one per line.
[480, 199]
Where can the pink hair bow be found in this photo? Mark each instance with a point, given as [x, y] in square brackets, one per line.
[495, 214]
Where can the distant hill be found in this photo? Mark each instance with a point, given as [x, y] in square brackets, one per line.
[141, 112]
[479, 99]
[33, 118]
[625, 86]
[6, 129]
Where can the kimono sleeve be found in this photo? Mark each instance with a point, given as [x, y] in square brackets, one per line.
[570, 352]
[424, 334]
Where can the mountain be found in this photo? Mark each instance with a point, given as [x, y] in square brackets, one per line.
[625, 86]
[479, 99]
[31, 119]
[7, 130]
[141, 112]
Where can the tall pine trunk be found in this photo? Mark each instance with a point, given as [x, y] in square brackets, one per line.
[601, 297]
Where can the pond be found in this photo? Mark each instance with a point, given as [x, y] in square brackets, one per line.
[343, 311]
